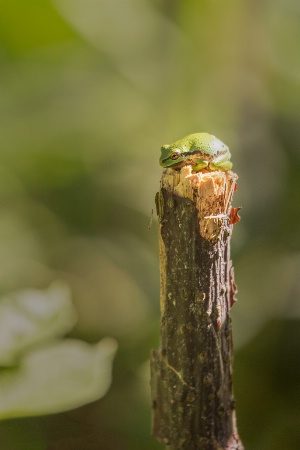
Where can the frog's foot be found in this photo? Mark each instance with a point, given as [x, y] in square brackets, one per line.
[226, 165]
[221, 162]
[200, 165]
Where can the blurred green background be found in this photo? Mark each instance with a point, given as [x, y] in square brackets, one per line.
[90, 90]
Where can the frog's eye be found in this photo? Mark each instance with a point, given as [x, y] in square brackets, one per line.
[175, 154]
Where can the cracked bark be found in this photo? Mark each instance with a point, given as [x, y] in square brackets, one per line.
[193, 406]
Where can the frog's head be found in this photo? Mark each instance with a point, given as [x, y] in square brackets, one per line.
[170, 156]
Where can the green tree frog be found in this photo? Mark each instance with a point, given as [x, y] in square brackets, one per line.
[201, 150]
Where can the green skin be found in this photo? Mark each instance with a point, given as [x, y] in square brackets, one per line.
[201, 150]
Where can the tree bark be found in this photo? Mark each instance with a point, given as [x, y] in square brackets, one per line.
[191, 374]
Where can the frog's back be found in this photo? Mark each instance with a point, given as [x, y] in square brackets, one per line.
[206, 143]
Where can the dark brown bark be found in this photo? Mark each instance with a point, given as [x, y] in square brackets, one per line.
[191, 374]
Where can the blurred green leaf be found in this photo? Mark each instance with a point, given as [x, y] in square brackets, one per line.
[32, 316]
[57, 377]
[37, 22]
[134, 48]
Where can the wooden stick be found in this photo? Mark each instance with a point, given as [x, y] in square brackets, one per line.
[191, 374]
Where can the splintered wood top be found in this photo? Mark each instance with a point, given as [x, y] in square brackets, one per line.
[212, 193]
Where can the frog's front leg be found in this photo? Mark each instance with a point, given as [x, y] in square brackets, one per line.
[200, 164]
[222, 162]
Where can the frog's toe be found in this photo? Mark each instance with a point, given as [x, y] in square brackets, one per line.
[201, 164]
[226, 165]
